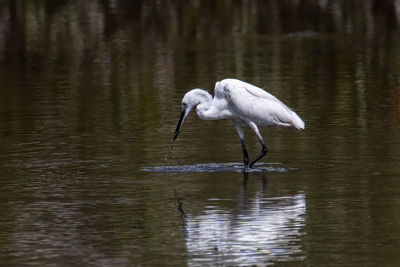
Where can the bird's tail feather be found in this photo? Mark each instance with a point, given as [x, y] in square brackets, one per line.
[297, 122]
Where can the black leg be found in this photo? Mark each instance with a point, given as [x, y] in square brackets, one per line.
[240, 131]
[245, 155]
[262, 153]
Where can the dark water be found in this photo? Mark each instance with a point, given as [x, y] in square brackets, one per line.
[89, 100]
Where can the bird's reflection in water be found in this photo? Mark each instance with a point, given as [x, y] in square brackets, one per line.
[259, 230]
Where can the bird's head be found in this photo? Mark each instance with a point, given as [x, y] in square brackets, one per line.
[190, 100]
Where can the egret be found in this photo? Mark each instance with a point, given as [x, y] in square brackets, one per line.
[245, 105]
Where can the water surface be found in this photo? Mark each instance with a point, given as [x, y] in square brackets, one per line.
[90, 96]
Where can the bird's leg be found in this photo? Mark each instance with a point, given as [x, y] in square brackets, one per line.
[240, 131]
[245, 155]
[262, 153]
[264, 149]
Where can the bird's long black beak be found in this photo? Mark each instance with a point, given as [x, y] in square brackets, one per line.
[181, 120]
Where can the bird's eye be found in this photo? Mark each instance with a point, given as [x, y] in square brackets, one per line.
[184, 105]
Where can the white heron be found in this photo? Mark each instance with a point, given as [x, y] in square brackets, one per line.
[245, 105]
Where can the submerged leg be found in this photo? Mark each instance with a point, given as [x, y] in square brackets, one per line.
[264, 149]
[240, 131]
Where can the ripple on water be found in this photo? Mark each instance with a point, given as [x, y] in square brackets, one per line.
[219, 167]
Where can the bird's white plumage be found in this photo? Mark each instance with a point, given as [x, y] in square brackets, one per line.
[248, 103]
[245, 104]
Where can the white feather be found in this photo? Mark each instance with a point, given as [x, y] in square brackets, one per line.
[249, 102]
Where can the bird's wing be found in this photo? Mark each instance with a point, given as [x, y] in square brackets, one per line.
[234, 88]
[255, 104]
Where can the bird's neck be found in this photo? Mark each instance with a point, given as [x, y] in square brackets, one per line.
[202, 110]
[204, 107]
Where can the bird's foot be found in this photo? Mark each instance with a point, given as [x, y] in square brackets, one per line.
[247, 167]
